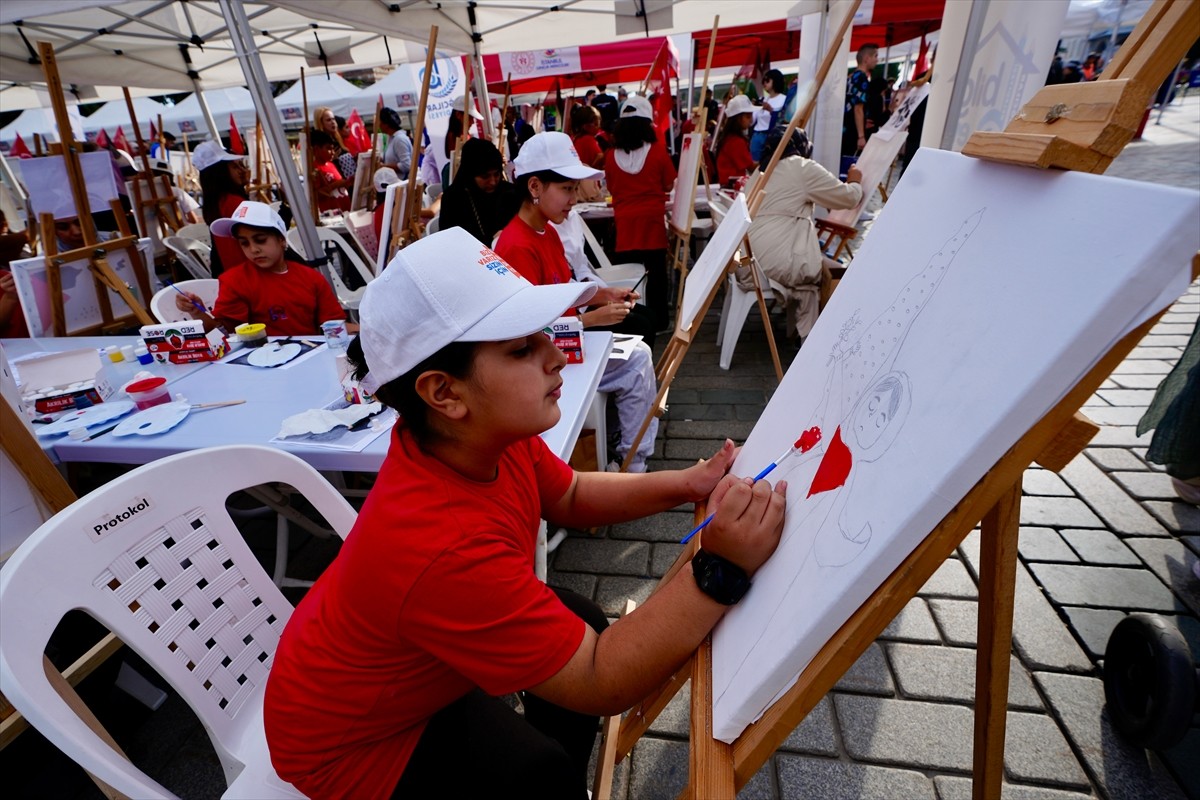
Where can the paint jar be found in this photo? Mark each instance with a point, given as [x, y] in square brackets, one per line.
[336, 335]
[114, 354]
[148, 392]
[252, 334]
[127, 353]
[143, 354]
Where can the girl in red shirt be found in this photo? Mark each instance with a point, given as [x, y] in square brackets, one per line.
[390, 674]
[223, 178]
[733, 142]
[640, 174]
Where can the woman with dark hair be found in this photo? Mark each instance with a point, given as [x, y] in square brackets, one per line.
[767, 117]
[782, 235]
[479, 200]
[223, 178]
[733, 142]
[585, 124]
[639, 173]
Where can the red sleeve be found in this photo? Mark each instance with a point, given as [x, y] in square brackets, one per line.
[480, 609]
[588, 149]
[232, 296]
[523, 258]
[554, 475]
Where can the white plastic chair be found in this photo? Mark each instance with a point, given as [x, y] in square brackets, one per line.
[361, 226]
[194, 254]
[626, 275]
[155, 557]
[433, 226]
[433, 191]
[163, 307]
[198, 231]
[332, 241]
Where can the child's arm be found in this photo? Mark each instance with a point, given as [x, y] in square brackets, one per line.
[604, 498]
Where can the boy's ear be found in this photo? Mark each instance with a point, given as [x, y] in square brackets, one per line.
[438, 391]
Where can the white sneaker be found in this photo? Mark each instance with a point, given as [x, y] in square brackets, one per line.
[866, 216]
[613, 466]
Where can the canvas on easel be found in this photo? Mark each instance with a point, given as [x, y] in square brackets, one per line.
[393, 200]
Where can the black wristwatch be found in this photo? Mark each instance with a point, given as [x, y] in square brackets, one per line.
[720, 579]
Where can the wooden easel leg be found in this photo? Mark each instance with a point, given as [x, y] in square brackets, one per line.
[766, 316]
[606, 760]
[997, 582]
[710, 763]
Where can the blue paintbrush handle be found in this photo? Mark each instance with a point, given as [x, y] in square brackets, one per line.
[199, 307]
[766, 470]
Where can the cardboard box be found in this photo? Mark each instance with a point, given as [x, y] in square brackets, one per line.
[567, 335]
[184, 342]
[51, 382]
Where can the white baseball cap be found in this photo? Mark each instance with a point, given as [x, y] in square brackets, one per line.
[208, 153]
[553, 151]
[249, 212]
[448, 287]
[739, 105]
[637, 106]
[385, 177]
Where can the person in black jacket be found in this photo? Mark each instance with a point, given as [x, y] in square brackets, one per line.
[479, 200]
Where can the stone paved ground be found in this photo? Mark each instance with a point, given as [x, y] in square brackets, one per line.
[1105, 537]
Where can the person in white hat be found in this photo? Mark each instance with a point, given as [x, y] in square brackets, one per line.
[639, 174]
[389, 676]
[289, 298]
[223, 179]
[383, 178]
[733, 142]
[548, 171]
[188, 209]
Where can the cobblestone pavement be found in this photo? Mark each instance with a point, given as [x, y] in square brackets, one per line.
[1105, 537]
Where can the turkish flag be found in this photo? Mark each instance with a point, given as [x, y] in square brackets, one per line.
[19, 149]
[102, 140]
[358, 140]
[153, 131]
[120, 142]
[658, 84]
[922, 65]
[235, 139]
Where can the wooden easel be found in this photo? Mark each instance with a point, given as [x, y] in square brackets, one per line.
[1101, 121]
[94, 251]
[406, 215]
[150, 191]
[263, 181]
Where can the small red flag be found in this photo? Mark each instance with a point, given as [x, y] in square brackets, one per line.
[102, 140]
[120, 142]
[658, 83]
[19, 149]
[922, 65]
[358, 141]
[153, 131]
[235, 139]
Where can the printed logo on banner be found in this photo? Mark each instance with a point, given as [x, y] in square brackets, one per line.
[187, 126]
[439, 86]
[113, 519]
[405, 99]
[290, 113]
[524, 63]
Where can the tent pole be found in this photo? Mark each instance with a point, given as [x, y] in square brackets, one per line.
[208, 117]
[966, 58]
[482, 96]
[692, 100]
[256, 80]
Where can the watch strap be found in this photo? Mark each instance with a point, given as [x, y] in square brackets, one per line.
[719, 578]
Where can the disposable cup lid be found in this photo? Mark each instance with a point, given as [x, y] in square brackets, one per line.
[250, 329]
[145, 385]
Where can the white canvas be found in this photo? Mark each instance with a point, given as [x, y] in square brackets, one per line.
[49, 190]
[978, 301]
[81, 306]
[685, 182]
[394, 194]
[710, 267]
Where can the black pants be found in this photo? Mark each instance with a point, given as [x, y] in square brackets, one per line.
[478, 746]
[658, 288]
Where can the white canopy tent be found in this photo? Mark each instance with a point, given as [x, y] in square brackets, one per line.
[115, 113]
[333, 92]
[35, 120]
[397, 89]
[187, 116]
[16, 96]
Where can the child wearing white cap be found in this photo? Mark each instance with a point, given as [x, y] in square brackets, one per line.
[291, 299]
[223, 179]
[389, 675]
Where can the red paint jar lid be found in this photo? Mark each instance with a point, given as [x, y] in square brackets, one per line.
[145, 385]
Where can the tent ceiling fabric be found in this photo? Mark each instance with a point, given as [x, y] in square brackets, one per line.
[511, 25]
[138, 42]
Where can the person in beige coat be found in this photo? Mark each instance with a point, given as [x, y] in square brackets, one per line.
[782, 235]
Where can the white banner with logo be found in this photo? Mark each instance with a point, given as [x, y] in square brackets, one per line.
[1002, 72]
[446, 87]
[534, 63]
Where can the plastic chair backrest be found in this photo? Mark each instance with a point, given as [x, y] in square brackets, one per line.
[163, 307]
[433, 226]
[198, 231]
[155, 557]
[433, 190]
[194, 254]
[602, 260]
[361, 225]
[349, 298]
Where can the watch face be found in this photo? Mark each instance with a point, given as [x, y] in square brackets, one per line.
[720, 579]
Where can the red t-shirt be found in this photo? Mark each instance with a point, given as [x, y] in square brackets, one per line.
[328, 173]
[432, 595]
[292, 303]
[733, 158]
[640, 201]
[15, 328]
[588, 149]
[228, 250]
[538, 257]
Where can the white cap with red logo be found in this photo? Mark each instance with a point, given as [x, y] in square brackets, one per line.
[254, 214]
[553, 151]
[449, 287]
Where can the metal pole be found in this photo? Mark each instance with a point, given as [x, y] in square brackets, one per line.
[256, 80]
[979, 10]
[481, 94]
[1170, 91]
[1116, 29]
[208, 117]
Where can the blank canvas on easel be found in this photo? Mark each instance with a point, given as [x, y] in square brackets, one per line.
[982, 296]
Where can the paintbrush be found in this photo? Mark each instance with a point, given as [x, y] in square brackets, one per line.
[807, 441]
[195, 305]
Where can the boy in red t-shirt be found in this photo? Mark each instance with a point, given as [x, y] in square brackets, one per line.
[389, 676]
[291, 299]
[332, 188]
